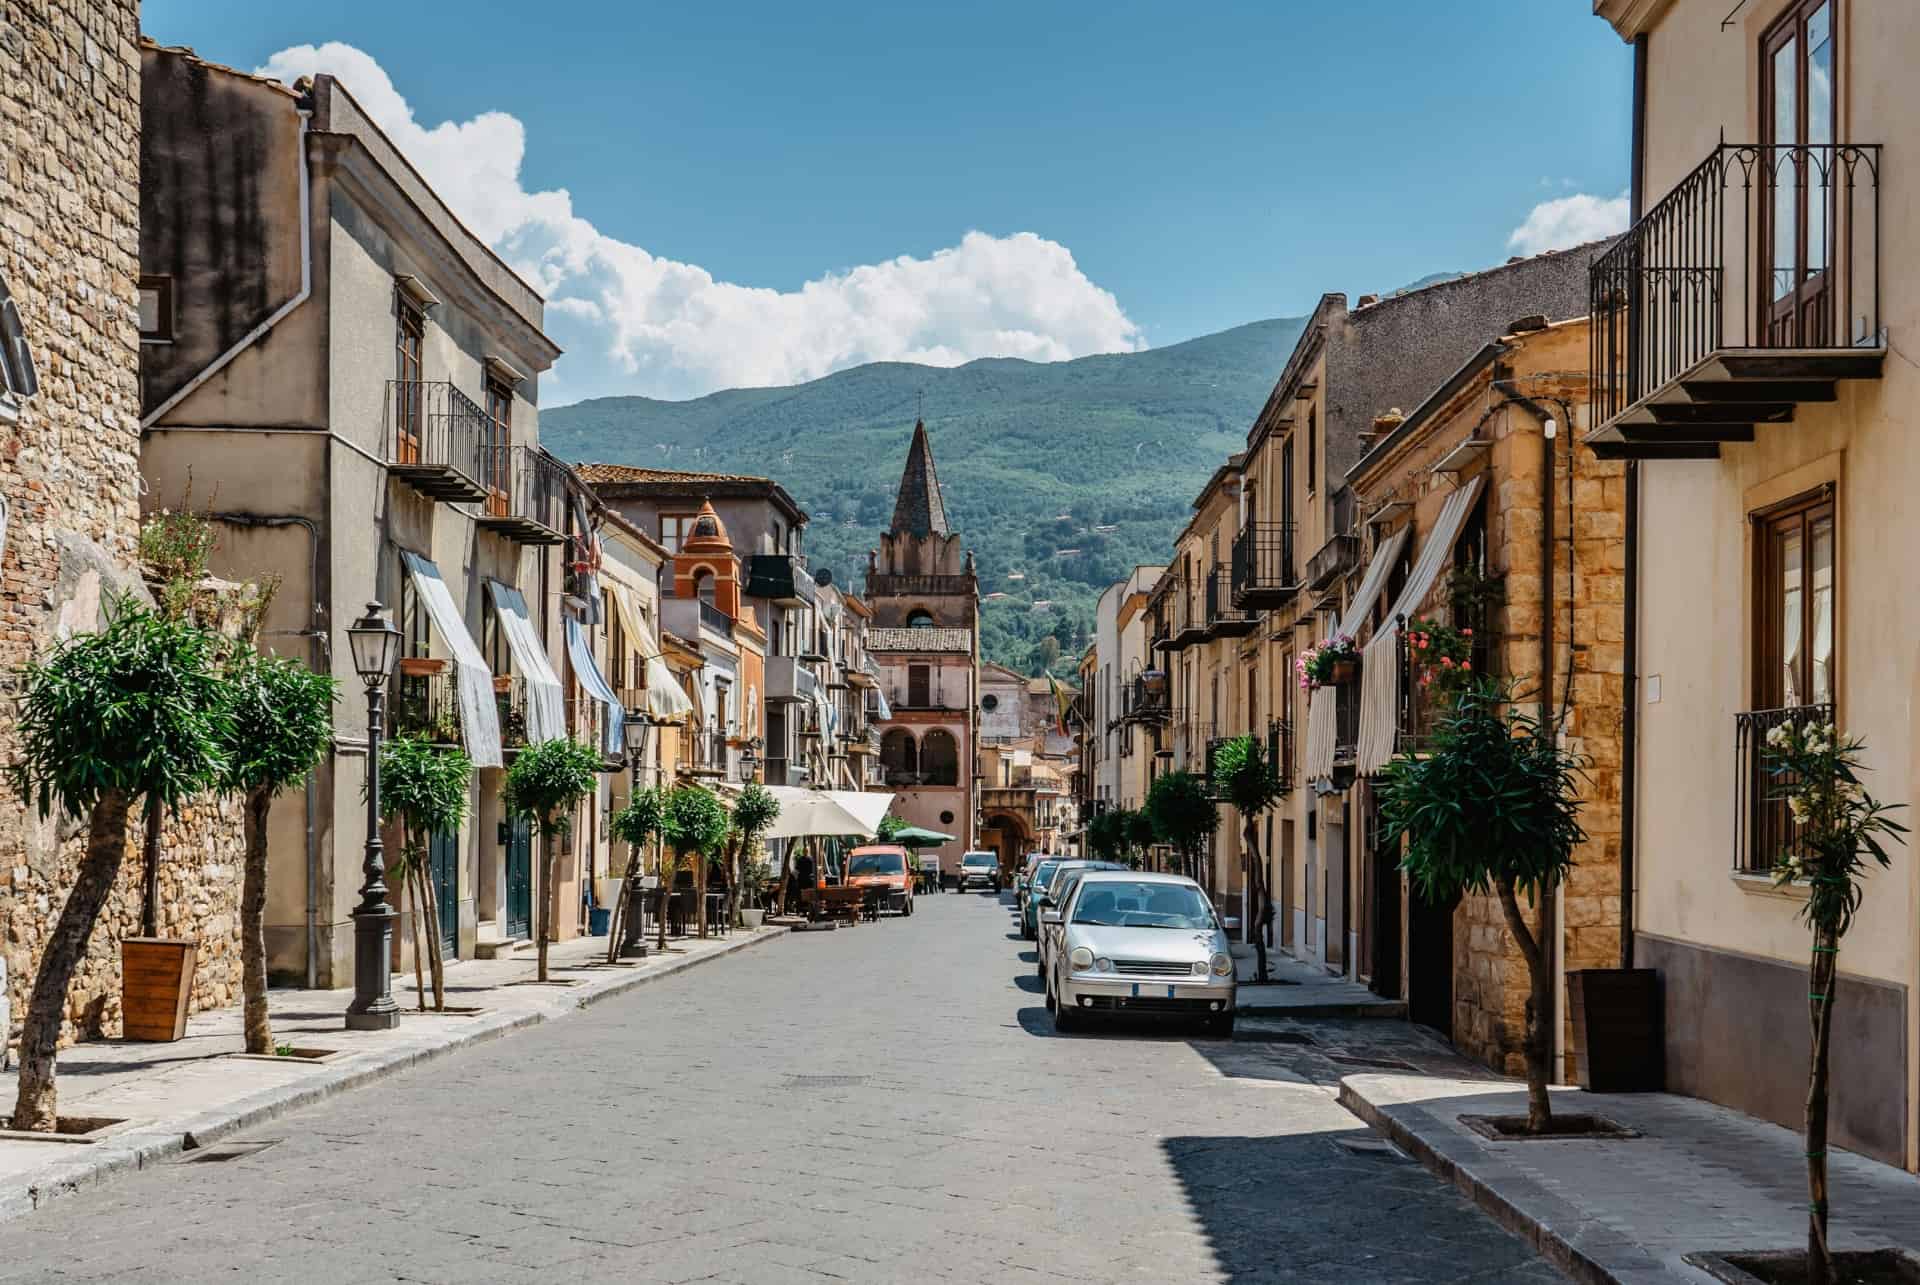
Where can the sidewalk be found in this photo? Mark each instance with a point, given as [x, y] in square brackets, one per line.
[184, 1095]
[1302, 989]
[1699, 1179]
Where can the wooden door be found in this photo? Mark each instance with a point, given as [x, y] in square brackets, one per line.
[519, 879]
[443, 857]
[409, 394]
[1799, 95]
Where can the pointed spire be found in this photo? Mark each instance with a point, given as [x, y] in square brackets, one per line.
[919, 509]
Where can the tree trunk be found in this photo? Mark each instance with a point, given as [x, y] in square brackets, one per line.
[436, 965]
[1539, 1108]
[545, 930]
[1823, 977]
[1257, 885]
[253, 924]
[150, 874]
[411, 879]
[37, 1108]
[700, 892]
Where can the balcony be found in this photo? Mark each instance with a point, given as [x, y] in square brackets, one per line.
[1224, 619]
[789, 680]
[427, 705]
[1263, 565]
[526, 501]
[435, 438]
[1183, 621]
[1280, 752]
[780, 578]
[1763, 829]
[1190, 745]
[1146, 699]
[1333, 561]
[711, 755]
[1752, 288]
[510, 699]
[711, 617]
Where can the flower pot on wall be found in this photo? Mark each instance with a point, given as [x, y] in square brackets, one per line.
[156, 982]
[422, 666]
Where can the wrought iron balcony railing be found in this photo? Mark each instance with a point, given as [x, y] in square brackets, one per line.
[1264, 571]
[436, 439]
[427, 705]
[1280, 751]
[526, 496]
[1334, 559]
[1763, 248]
[1224, 618]
[1764, 830]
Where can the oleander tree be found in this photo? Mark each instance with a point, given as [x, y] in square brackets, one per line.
[754, 812]
[1246, 778]
[696, 827]
[1183, 816]
[424, 788]
[1491, 805]
[545, 784]
[135, 714]
[1840, 827]
[280, 728]
[636, 825]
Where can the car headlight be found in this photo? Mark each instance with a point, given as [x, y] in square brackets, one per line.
[1103, 964]
[1223, 965]
[1200, 967]
[1080, 957]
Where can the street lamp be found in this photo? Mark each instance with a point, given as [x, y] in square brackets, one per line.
[376, 646]
[638, 729]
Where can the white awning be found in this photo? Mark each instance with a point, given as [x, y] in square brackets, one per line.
[1380, 675]
[826, 812]
[1322, 732]
[587, 673]
[473, 681]
[546, 707]
[666, 698]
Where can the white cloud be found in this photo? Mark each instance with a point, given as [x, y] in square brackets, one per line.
[1569, 220]
[641, 323]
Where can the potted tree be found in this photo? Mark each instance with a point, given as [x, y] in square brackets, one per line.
[754, 810]
[1243, 777]
[134, 714]
[637, 825]
[1490, 806]
[423, 787]
[280, 729]
[1184, 817]
[544, 785]
[696, 827]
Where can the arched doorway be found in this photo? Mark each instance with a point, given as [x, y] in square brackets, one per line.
[939, 758]
[1007, 836]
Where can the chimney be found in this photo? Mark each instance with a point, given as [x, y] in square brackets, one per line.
[1368, 300]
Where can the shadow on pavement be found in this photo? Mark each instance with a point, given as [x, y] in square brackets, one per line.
[1031, 984]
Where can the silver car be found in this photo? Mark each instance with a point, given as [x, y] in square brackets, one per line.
[1140, 943]
[1058, 892]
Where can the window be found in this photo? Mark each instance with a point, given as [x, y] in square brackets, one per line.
[703, 585]
[1794, 603]
[919, 686]
[1798, 93]
[17, 379]
[776, 545]
[1313, 444]
[156, 310]
[946, 818]
[410, 330]
[674, 527]
[989, 702]
[414, 637]
[921, 619]
[494, 451]
[939, 758]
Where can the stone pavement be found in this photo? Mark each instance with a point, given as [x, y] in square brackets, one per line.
[196, 1090]
[1700, 1178]
[885, 1103]
[1302, 989]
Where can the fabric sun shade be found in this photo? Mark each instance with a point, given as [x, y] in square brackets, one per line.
[805, 813]
[881, 710]
[1380, 675]
[479, 714]
[667, 700]
[1322, 731]
[625, 610]
[546, 719]
[588, 675]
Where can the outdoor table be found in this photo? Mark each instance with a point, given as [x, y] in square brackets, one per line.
[717, 916]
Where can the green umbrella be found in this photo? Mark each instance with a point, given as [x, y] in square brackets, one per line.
[914, 837]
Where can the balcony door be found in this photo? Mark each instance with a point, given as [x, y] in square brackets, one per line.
[409, 409]
[1799, 93]
[497, 451]
[1793, 594]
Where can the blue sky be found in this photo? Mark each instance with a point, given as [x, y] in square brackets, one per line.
[759, 193]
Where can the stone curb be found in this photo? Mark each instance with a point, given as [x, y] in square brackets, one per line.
[1389, 1010]
[157, 1144]
[1458, 1167]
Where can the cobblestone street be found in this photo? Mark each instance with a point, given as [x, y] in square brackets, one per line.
[886, 1103]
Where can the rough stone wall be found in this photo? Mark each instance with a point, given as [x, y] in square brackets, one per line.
[69, 467]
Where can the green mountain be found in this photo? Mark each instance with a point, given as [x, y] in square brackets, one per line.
[1062, 476]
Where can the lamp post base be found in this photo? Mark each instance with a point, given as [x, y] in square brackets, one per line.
[373, 1007]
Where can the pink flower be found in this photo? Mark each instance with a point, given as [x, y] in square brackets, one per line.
[1466, 633]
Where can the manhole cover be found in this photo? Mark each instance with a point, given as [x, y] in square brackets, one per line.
[1245, 1036]
[221, 1151]
[1374, 1063]
[825, 1081]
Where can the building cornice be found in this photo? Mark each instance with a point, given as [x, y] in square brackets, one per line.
[1631, 18]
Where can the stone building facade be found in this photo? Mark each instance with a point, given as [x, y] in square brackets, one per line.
[69, 475]
[1544, 523]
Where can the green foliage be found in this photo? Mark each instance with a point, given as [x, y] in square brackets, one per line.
[1243, 776]
[1106, 835]
[696, 821]
[1139, 830]
[546, 781]
[1182, 813]
[1816, 771]
[424, 787]
[642, 820]
[174, 546]
[1491, 801]
[140, 707]
[889, 827]
[281, 724]
[753, 811]
[1122, 441]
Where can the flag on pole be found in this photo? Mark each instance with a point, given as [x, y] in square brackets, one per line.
[1062, 698]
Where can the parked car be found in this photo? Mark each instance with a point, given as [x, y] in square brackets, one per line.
[1030, 894]
[980, 870]
[1141, 943]
[1065, 878]
[887, 866]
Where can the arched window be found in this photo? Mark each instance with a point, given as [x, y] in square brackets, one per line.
[899, 756]
[703, 584]
[939, 758]
[921, 619]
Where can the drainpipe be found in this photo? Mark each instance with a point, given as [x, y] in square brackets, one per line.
[306, 285]
[321, 660]
[1630, 649]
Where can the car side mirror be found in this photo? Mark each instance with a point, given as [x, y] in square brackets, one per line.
[1049, 916]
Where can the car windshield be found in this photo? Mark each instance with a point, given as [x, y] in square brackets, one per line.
[978, 861]
[1044, 873]
[877, 863]
[1115, 903]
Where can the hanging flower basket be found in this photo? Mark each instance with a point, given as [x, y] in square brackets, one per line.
[1317, 665]
[1344, 672]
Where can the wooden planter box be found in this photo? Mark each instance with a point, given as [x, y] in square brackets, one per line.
[156, 981]
[1618, 1029]
[422, 666]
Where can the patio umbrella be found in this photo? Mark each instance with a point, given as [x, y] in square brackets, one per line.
[915, 837]
[805, 813]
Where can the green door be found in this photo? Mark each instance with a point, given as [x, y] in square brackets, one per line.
[520, 879]
[443, 858]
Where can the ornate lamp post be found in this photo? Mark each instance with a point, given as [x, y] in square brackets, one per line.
[376, 646]
[638, 730]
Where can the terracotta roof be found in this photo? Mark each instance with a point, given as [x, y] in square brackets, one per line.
[628, 473]
[919, 640]
[186, 51]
